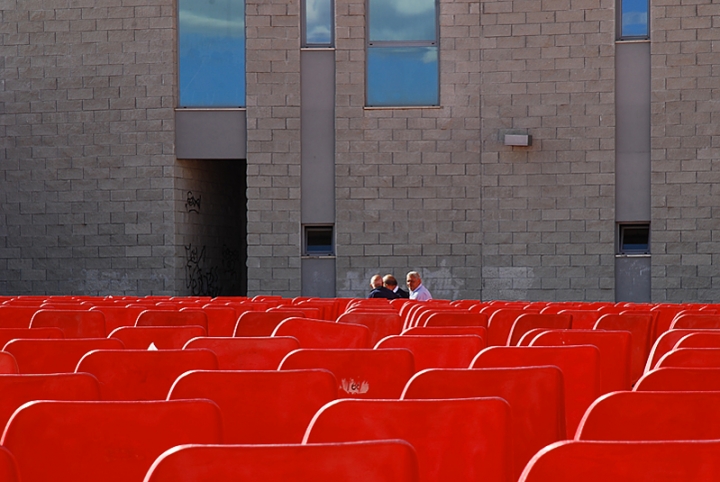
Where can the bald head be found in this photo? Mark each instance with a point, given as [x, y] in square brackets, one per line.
[376, 281]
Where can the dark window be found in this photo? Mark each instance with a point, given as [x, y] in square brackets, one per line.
[634, 239]
[319, 241]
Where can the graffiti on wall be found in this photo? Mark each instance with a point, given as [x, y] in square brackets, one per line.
[200, 280]
[192, 203]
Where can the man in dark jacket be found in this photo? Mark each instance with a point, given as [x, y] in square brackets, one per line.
[378, 290]
[392, 284]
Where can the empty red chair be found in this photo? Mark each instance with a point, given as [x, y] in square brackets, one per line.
[73, 323]
[7, 334]
[19, 389]
[108, 441]
[55, 355]
[459, 318]
[440, 351]
[376, 461]
[324, 334]
[142, 374]
[172, 318]
[459, 440]
[221, 320]
[379, 324]
[664, 343]
[582, 319]
[247, 353]
[262, 323]
[652, 416]
[117, 316]
[12, 316]
[696, 321]
[448, 330]
[500, 324]
[261, 407]
[680, 379]
[535, 394]
[580, 366]
[8, 363]
[530, 321]
[360, 372]
[705, 339]
[642, 328]
[691, 358]
[614, 349]
[8, 466]
[621, 461]
[161, 337]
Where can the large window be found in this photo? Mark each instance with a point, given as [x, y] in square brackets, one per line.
[317, 23]
[633, 21]
[402, 53]
[211, 49]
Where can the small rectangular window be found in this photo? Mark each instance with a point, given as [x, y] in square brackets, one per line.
[634, 239]
[634, 19]
[318, 241]
[317, 22]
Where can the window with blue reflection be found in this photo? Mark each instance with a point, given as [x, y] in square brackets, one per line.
[402, 53]
[318, 22]
[634, 18]
[211, 50]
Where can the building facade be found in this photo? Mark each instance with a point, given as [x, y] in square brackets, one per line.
[504, 149]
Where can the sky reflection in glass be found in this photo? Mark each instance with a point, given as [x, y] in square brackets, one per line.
[635, 18]
[402, 20]
[211, 53]
[318, 22]
[402, 76]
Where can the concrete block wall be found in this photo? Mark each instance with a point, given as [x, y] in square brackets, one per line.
[273, 146]
[685, 228]
[86, 147]
[408, 180]
[548, 210]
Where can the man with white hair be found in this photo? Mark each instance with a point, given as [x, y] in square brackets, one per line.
[417, 290]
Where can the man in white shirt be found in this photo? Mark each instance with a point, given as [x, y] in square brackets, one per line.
[417, 290]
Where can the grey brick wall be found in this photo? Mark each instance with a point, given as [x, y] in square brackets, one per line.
[547, 210]
[273, 146]
[408, 180]
[86, 153]
[685, 229]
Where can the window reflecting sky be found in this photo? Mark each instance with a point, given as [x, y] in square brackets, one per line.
[402, 20]
[635, 18]
[211, 53]
[402, 76]
[318, 22]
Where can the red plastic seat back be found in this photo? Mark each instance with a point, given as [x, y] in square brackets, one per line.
[221, 320]
[652, 416]
[313, 333]
[459, 440]
[19, 389]
[142, 374]
[172, 318]
[8, 363]
[696, 321]
[262, 323]
[117, 316]
[500, 324]
[641, 325]
[448, 330]
[535, 394]
[580, 366]
[680, 379]
[664, 343]
[162, 337]
[572, 461]
[691, 358]
[360, 372]
[73, 323]
[530, 321]
[706, 339]
[247, 353]
[582, 319]
[12, 316]
[376, 461]
[380, 324]
[56, 355]
[614, 349]
[7, 334]
[457, 318]
[261, 407]
[437, 351]
[8, 466]
[108, 441]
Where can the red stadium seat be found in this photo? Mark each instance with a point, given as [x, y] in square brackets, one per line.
[680, 379]
[439, 351]
[8, 466]
[73, 323]
[376, 461]
[652, 416]
[262, 323]
[8, 363]
[247, 353]
[500, 324]
[12, 316]
[104, 441]
[117, 316]
[691, 358]
[641, 325]
[535, 395]
[580, 366]
[379, 324]
[7, 334]
[142, 374]
[360, 372]
[463, 440]
[457, 318]
[172, 318]
[531, 321]
[55, 355]
[161, 337]
[260, 407]
[313, 333]
[591, 461]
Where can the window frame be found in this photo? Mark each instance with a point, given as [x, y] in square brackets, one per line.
[304, 43]
[620, 35]
[623, 229]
